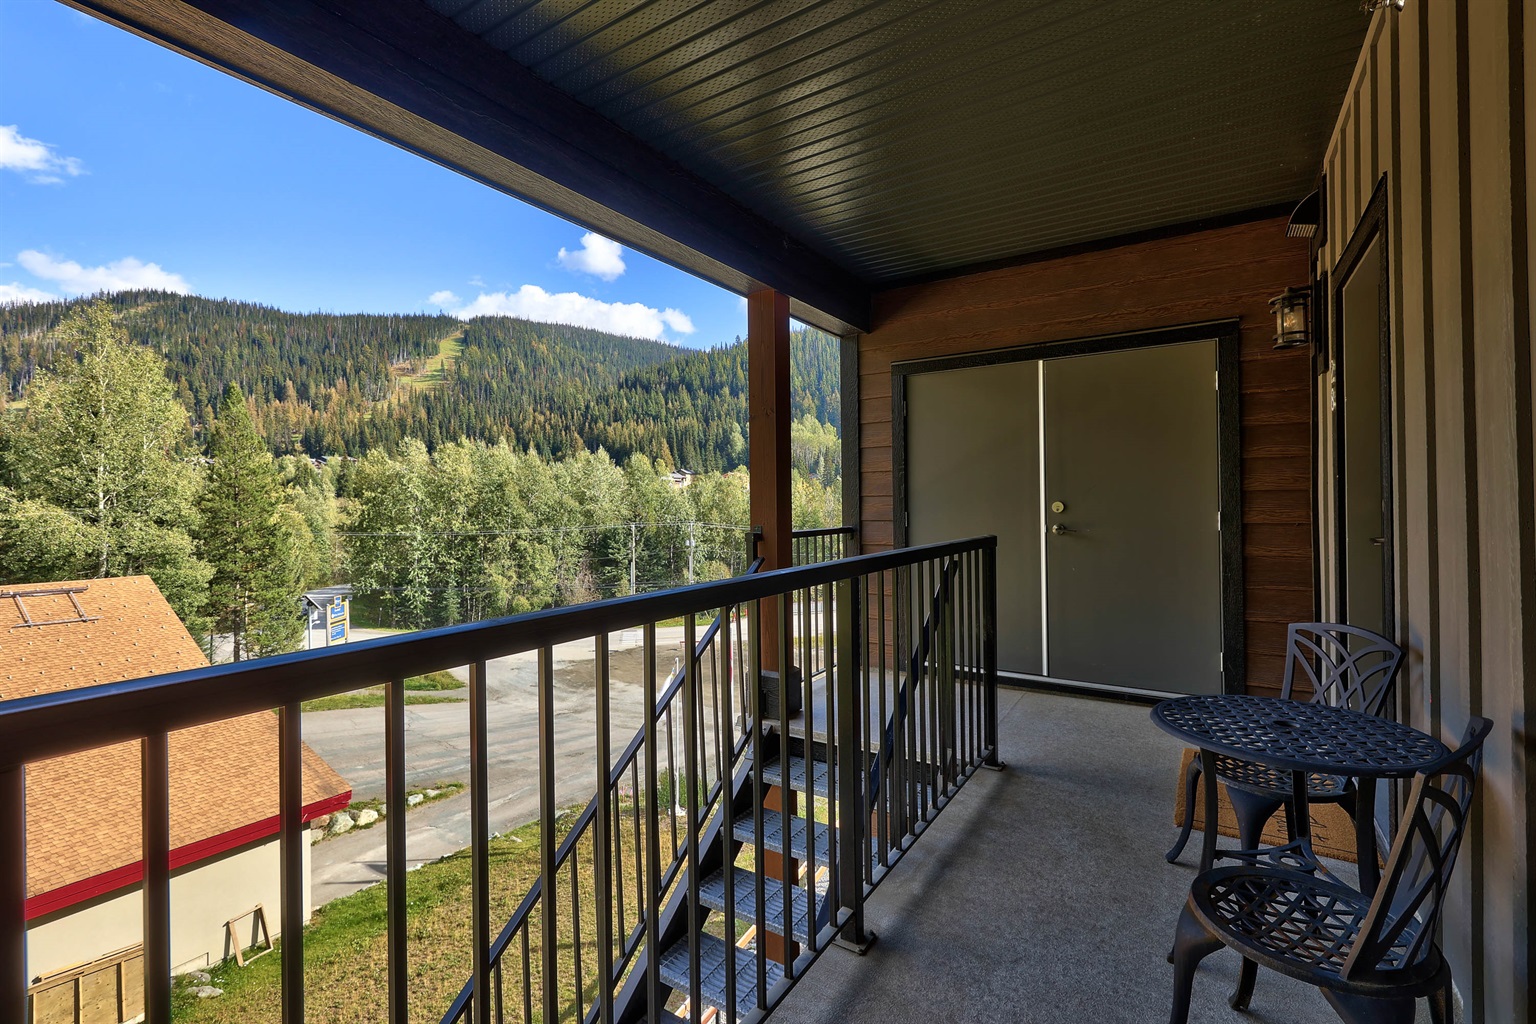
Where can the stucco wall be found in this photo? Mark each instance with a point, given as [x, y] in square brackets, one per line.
[1439, 107]
[203, 897]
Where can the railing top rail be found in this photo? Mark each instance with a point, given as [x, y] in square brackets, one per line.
[51, 725]
[826, 531]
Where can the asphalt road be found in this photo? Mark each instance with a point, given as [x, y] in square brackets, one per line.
[437, 750]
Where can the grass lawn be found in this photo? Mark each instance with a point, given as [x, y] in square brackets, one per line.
[371, 699]
[435, 681]
[344, 946]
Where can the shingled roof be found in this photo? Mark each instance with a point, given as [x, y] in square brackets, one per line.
[83, 836]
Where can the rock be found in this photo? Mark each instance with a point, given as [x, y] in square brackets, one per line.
[322, 823]
[433, 793]
[414, 799]
[207, 992]
[367, 817]
[201, 977]
[341, 822]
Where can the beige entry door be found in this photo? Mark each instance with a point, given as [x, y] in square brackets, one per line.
[1131, 539]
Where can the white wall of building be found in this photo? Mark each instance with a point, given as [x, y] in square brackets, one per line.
[203, 896]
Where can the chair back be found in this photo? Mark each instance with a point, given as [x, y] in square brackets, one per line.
[1347, 666]
[1399, 928]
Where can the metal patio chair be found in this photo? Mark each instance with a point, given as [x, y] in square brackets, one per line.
[1347, 666]
[1373, 957]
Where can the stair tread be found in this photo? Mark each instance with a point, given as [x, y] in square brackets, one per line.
[773, 835]
[673, 968]
[799, 769]
[712, 895]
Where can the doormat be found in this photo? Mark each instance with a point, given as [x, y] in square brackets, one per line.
[1333, 833]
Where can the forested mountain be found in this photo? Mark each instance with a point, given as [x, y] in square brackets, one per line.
[342, 384]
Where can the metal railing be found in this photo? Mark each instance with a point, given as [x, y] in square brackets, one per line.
[899, 657]
[807, 547]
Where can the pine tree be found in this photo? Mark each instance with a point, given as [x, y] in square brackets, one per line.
[100, 484]
[247, 535]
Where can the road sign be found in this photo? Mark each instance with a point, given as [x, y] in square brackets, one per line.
[340, 619]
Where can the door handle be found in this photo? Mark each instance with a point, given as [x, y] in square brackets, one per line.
[1059, 530]
[1380, 542]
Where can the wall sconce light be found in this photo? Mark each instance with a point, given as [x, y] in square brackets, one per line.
[1292, 323]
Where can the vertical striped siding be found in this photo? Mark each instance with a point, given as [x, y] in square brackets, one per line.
[1439, 104]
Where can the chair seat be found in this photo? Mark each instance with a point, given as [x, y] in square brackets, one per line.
[1262, 779]
[1303, 926]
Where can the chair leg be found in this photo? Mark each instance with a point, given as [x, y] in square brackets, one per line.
[1442, 1005]
[1191, 776]
[1354, 1009]
[1244, 992]
[1253, 813]
[1191, 944]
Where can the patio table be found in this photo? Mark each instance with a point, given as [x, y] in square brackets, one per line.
[1299, 737]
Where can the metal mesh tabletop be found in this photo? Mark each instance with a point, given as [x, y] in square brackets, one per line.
[1296, 736]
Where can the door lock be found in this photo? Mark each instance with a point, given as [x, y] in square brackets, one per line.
[1059, 530]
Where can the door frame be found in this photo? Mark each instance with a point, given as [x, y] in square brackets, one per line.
[1227, 335]
[1371, 227]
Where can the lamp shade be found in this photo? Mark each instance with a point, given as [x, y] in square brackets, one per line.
[1292, 320]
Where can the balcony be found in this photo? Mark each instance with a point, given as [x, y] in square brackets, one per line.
[1039, 889]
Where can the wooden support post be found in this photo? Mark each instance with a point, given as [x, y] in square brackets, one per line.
[768, 419]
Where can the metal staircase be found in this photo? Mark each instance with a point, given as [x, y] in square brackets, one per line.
[702, 887]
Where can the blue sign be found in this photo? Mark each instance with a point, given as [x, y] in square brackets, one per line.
[338, 632]
[338, 609]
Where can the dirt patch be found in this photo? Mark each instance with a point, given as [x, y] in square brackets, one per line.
[624, 666]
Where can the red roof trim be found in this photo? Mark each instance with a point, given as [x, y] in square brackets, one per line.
[131, 874]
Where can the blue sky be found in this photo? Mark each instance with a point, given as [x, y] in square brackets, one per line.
[123, 164]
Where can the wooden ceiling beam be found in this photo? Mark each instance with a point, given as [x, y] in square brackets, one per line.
[406, 75]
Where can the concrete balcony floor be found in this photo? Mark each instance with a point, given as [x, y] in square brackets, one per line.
[1041, 895]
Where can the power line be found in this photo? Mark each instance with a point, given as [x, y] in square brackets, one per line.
[538, 529]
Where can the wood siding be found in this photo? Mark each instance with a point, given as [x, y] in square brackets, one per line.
[1439, 106]
[1208, 275]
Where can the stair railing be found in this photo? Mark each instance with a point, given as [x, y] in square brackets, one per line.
[599, 831]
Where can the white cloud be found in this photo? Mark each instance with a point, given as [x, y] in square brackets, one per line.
[477, 281]
[679, 321]
[39, 161]
[119, 275]
[15, 292]
[534, 303]
[443, 298]
[598, 256]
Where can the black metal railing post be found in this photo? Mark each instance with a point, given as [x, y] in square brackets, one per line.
[13, 892]
[989, 648]
[549, 884]
[479, 847]
[394, 849]
[292, 848]
[852, 814]
[155, 812]
[602, 837]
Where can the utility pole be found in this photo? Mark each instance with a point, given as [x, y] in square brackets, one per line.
[691, 544]
[634, 529]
